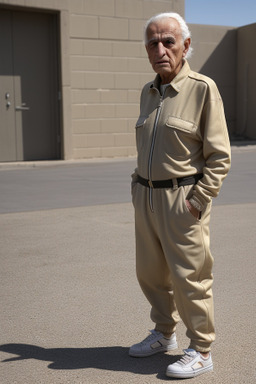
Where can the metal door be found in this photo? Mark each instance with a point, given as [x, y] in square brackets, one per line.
[7, 115]
[29, 102]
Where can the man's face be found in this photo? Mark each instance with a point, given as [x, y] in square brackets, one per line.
[165, 48]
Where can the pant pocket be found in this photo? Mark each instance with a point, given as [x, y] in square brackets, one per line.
[186, 194]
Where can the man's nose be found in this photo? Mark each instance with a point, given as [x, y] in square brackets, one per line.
[161, 49]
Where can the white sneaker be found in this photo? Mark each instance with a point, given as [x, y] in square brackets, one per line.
[190, 365]
[154, 343]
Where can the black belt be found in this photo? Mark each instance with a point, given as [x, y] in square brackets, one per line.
[181, 181]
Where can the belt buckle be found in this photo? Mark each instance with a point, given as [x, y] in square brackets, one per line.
[150, 184]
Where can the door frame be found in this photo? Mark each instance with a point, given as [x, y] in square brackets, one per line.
[63, 67]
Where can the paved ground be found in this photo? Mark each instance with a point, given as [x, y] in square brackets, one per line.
[70, 302]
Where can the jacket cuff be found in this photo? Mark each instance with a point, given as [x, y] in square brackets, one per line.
[134, 177]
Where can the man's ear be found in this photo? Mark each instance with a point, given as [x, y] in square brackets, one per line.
[187, 43]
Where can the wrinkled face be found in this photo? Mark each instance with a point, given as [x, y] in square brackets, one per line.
[166, 48]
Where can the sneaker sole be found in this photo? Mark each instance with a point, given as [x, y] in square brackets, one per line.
[188, 375]
[154, 351]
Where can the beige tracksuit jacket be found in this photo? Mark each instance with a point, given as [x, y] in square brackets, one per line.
[184, 132]
[180, 133]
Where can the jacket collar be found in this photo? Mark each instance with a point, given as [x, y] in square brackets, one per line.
[178, 80]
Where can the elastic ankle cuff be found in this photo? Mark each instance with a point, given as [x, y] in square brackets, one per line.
[166, 332]
[200, 348]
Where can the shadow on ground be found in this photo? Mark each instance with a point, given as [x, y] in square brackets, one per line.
[114, 358]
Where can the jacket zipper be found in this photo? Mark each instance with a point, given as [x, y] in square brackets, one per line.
[159, 108]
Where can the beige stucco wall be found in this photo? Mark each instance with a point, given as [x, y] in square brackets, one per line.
[246, 81]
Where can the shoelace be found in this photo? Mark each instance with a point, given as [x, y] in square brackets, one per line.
[185, 359]
[149, 338]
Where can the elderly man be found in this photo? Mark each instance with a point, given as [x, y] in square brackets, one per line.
[183, 157]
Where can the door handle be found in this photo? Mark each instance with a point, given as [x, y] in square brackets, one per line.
[22, 107]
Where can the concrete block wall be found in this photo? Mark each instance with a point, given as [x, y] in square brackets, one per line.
[109, 66]
[104, 66]
[246, 82]
[215, 49]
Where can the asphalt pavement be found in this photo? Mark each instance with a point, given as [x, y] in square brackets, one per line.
[70, 302]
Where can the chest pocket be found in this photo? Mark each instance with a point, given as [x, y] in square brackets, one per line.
[180, 137]
[141, 121]
[181, 125]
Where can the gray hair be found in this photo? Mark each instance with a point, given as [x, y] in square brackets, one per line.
[185, 32]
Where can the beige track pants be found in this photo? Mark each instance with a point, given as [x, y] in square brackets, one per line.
[174, 262]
